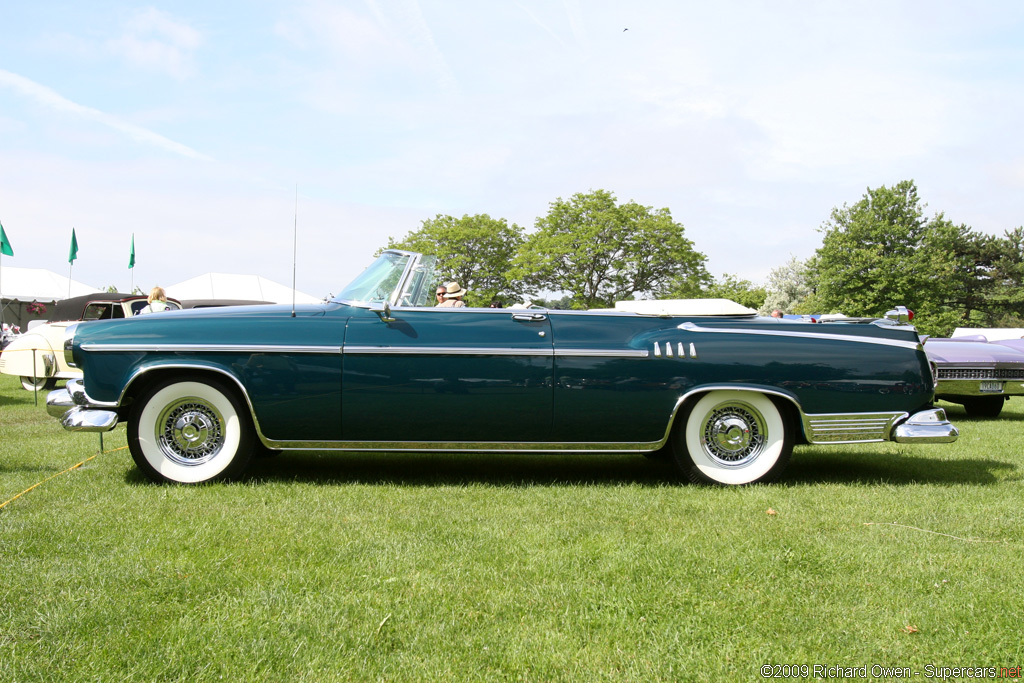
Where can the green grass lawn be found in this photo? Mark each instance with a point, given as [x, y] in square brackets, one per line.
[342, 567]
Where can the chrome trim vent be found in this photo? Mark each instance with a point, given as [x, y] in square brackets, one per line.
[855, 428]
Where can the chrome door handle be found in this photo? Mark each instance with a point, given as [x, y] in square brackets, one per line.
[529, 317]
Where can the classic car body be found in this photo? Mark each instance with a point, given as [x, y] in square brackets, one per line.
[726, 395]
[976, 373]
[37, 355]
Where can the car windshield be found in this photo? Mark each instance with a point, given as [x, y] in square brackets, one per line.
[400, 278]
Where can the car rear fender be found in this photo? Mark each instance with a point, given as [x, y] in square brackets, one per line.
[29, 355]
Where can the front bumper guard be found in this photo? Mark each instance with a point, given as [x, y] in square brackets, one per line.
[926, 426]
[80, 419]
[71, 406]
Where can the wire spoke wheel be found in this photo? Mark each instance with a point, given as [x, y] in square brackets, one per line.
[190, 432]
[733, 438]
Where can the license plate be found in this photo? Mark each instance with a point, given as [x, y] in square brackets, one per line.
[992, 387]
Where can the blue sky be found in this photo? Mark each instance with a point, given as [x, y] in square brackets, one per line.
[190, 124]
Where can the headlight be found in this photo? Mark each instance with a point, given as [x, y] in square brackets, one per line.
[69, 338]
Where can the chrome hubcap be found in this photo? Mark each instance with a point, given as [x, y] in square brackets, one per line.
[191, 432]
[733, 434]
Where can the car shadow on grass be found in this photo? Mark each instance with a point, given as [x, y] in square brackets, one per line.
[491, 469]
[446, 469]
[22, 398]
[866, 468]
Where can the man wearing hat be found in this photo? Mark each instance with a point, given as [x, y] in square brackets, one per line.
[453, 296]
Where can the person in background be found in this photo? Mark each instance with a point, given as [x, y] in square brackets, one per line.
[776, 313]
[439, 294]
[453, 296]
[157, 301]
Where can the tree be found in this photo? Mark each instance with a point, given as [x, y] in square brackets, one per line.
[599, 251]
[1002, 296]
[743, 292]
[881, 252]
[787, 288]
[475, 251]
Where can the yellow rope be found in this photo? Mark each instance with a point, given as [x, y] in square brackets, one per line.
[73, 467]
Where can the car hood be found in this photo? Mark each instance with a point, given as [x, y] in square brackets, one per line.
[955, 351]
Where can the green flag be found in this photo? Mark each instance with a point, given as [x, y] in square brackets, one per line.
[5, 244]
[73, 254]
[131, 259]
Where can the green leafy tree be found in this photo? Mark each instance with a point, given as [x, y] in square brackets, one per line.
[882, 252]
[475, 251]
[1002, 266]
[743, 292]
[599, 251]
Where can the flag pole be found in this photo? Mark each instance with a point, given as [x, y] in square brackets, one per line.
[72, 255]
[3, 304]
[131, 264]
[5, 248]
[295, 244]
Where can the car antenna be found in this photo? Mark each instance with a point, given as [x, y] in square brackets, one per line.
[295, 243]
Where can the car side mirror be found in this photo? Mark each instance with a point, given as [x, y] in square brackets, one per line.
[383, 312]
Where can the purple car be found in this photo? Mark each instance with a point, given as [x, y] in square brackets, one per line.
[977, 373]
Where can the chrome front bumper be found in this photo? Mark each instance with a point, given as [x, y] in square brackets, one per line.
[71, 406]
[927, 426]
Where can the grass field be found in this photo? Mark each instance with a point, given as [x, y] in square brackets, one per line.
[501, 567]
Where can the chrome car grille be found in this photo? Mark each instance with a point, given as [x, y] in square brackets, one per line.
[1010, 374]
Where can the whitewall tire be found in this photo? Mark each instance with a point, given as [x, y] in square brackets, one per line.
[190, 431]
[733, 438]
[38, 383]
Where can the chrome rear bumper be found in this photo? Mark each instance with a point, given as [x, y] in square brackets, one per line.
[927, 426]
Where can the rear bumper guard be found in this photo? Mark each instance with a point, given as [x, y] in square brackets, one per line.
[926, 426]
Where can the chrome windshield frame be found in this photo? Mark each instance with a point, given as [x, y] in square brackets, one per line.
[415, 263]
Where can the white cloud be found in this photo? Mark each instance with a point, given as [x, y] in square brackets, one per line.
[53, 100]
[154, 40]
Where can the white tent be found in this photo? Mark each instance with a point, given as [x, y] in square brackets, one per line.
[234, 286]
[38, 284]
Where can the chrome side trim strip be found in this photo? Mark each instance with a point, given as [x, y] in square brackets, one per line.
[364, 350]
[603, 353]
[693, 327]
[212, 348]
[484, 351]
[444, 351]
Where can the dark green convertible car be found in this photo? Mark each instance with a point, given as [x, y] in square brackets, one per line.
[725, 393]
